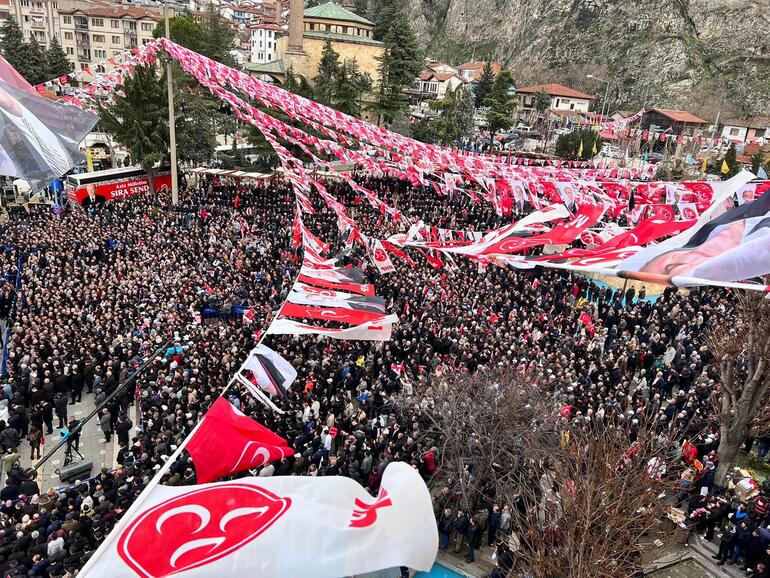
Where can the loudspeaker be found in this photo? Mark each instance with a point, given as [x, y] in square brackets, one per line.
[73, 470]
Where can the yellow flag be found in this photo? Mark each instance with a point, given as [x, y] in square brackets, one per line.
[580, 150]
[725, 168]
[593, 150]
[89, 160]
[705, 165]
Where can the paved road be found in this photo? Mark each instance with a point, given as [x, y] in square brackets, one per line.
[92, 446]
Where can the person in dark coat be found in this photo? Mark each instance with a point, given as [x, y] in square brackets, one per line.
[445, 528]
[60, 403]
[473, 532]
[76, 384]
[494, 524]
[47, 408]
[123, 429]
[460, 528]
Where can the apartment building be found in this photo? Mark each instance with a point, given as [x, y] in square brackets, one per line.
[91, 35]
[264, 47]
[37, 18]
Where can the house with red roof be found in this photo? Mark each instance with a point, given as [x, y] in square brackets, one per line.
[672, 122]
[563, 98]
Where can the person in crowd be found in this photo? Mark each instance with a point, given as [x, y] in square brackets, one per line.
[102, 291]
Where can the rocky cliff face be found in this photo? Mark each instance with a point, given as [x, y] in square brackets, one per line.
[697, 53]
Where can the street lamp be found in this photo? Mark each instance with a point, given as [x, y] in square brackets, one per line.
[606, 93]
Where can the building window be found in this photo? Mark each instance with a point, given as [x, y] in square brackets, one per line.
[432, 87]
[734, 132]
[70, 51]
[100, 53]
[97, 21]
[68, 36]
[115, 39]
[759, 133]
[147, 27]
[98, 37]
[25, 3]
[68, 19]
[115, 24]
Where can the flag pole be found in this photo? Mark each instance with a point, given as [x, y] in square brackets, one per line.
[171, 119]
[154, 482]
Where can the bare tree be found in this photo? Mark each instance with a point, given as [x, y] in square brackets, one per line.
[583, 492]
[741, 348]
[598, 494]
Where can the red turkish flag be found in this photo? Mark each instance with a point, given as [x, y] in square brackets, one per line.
[351, 316]
[228, 442]
[584, 318]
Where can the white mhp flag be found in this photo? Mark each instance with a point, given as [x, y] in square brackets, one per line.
[380, 257]
[281, 526]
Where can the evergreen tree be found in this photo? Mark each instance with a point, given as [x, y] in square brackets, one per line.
[14, 47]
[36, 63]
[384, 18]
[757, 160]
[139, 119]
[484, 85]
[568, 145]
[298, 84]
[57, 61]
[195, 133]
[502, 105]
[456, 120]
[219, 37]
[731, 158]
[185, 31]
[350, 85]
[424, 130]
[542, 101]
[400, 64]
[328, 70]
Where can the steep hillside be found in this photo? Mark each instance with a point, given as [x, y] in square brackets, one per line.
[704, 54]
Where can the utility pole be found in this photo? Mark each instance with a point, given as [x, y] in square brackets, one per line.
[711, 143]
[171, 119]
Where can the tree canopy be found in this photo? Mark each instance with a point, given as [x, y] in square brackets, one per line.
[578, 145]
[139, 118]
[484, 85]
[56, 59]
[501, 103]
[400, 64]
[212, 37]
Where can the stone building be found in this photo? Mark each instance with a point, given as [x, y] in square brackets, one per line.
[351, 36]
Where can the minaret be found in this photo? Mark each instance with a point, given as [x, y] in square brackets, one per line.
[295, 56]
[296, 25]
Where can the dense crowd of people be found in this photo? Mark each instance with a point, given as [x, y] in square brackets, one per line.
[103, 288]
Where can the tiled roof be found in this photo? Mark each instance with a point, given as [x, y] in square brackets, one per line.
[554, 89]
[479, 65]
[350, 38]
[758, 122]
[680, 116]
[113, 12]
[332, 11]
